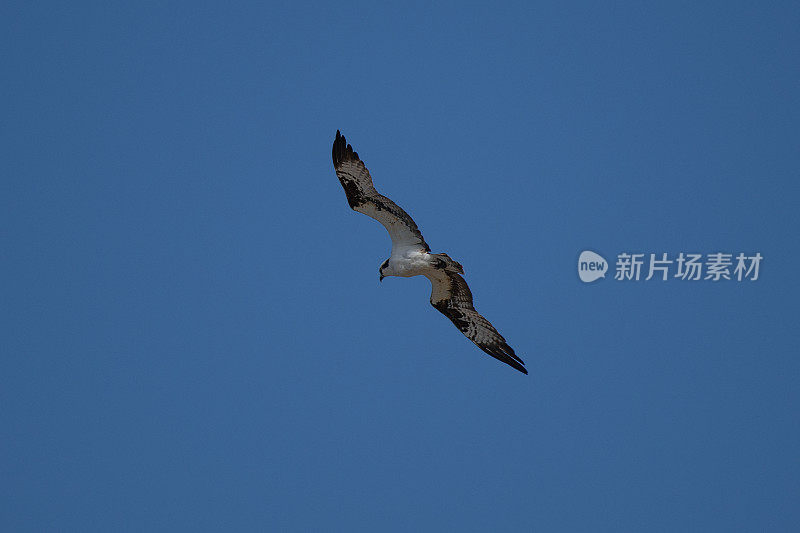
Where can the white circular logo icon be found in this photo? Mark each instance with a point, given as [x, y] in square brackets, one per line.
[591, 266]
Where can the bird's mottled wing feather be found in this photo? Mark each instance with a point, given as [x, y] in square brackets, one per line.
[362, 197]
[451, 296]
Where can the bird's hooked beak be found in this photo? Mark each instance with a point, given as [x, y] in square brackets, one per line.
[381, 278]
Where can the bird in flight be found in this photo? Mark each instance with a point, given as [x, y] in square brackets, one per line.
[411, 256]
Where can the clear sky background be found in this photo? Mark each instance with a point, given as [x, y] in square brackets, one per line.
[193, 333]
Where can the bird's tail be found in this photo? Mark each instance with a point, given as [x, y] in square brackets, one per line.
[451, 265]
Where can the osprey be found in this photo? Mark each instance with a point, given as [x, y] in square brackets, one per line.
[411, 256]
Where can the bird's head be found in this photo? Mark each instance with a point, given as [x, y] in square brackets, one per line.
[382, 269]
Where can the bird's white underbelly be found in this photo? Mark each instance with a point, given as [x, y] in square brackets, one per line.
[407, 265]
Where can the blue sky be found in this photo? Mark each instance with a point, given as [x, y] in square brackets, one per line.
[193, 333]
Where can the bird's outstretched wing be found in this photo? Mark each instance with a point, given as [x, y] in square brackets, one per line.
[451, 296]
[362, 197]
